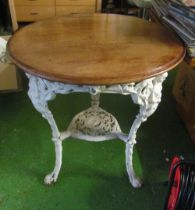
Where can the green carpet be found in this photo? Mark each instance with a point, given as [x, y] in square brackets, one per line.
[93, 175]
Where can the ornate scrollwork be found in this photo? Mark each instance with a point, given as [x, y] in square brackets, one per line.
[96, 124]
[147, 94]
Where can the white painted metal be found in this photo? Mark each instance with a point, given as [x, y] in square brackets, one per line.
[95, 124]
[147, 95]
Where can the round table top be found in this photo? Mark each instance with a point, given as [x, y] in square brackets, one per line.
[95, 49]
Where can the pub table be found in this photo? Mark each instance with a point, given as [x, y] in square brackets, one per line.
[100, 53]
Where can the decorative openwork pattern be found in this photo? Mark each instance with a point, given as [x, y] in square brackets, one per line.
[95, 124]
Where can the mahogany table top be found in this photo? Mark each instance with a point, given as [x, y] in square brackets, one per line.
[95, 49]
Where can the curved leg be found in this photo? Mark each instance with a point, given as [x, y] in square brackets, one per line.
[40, 97]
[135, 181]
[147, 94]
[52, 177]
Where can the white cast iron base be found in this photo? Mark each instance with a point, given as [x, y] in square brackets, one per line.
[95, 124]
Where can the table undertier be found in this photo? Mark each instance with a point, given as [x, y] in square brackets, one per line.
[95, 124]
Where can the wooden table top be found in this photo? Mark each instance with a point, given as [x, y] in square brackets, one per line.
[95, 50]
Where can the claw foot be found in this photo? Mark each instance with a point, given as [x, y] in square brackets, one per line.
[50, 179]
[135, 181]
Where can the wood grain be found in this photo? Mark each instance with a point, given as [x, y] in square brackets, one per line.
[69, 10]
[34, 13]
[95, 49]
[13, 15]
[75, 2]
[98, 5]
[34, 2]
